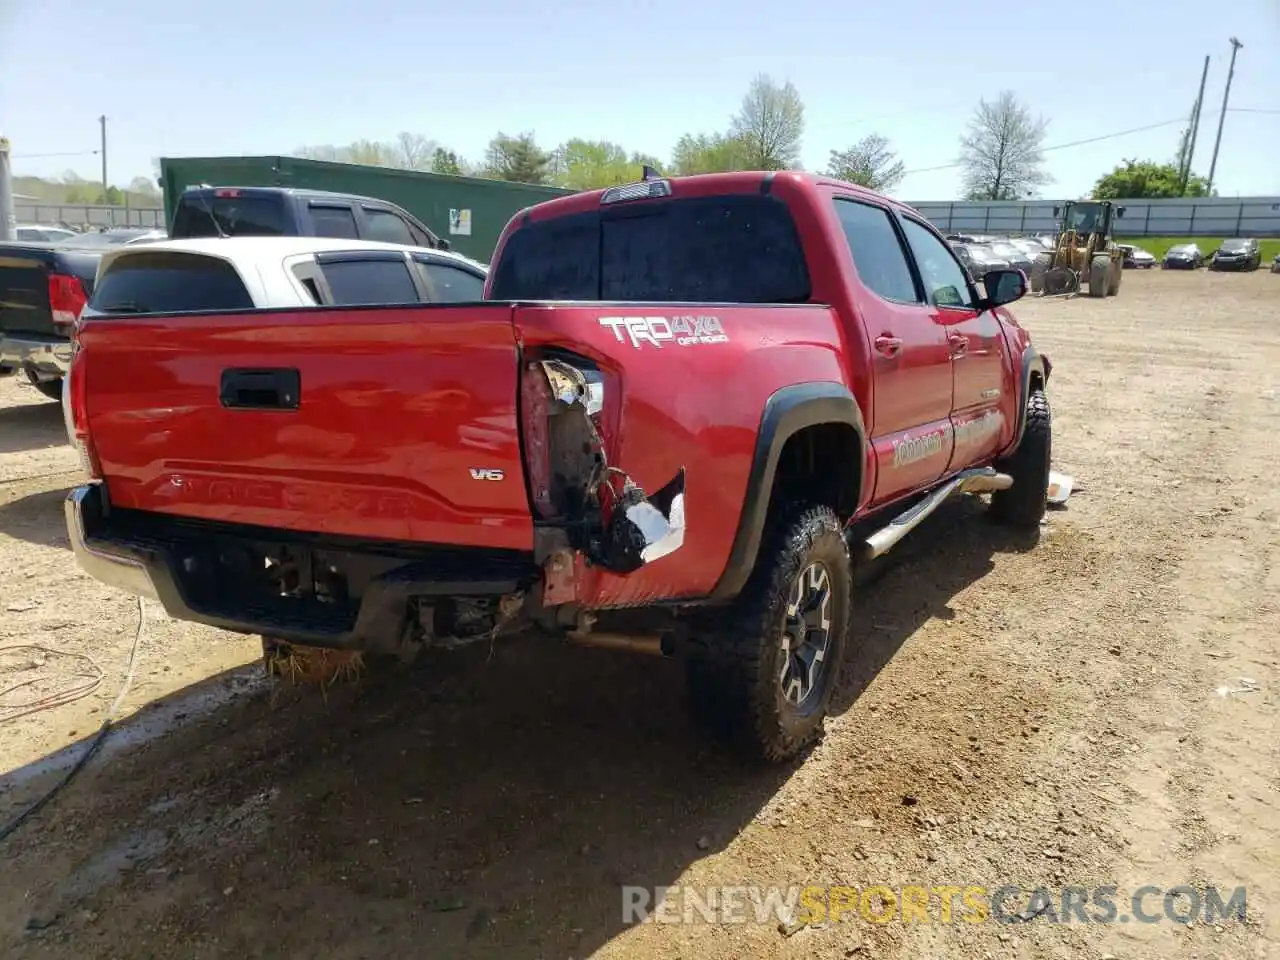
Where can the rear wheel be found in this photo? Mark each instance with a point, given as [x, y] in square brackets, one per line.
[1023, 504]
[764, 679]
[50, 388]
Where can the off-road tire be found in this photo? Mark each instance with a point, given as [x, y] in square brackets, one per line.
[50, 388]
[1098, 271]
[1117, 275]
[734, 669]
[1023, 504]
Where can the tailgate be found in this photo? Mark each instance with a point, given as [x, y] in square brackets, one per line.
[24, 294]
[395, 423]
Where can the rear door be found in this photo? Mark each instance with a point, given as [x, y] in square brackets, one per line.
[911, 367]
[975, 345]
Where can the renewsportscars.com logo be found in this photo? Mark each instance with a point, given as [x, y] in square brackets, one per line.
[973, 903]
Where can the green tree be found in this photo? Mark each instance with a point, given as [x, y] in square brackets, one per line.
[589, 164]
[1134, 179]
[708, 153]
[1000, 151]
[869, 163]
[769, 124]
[518, 159]
[447, 162]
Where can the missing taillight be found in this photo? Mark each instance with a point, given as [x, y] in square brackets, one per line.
[603, 513]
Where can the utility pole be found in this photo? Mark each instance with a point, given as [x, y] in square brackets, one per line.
[1226, 95]
[1185, 173]
[8, 225]
[102, 121]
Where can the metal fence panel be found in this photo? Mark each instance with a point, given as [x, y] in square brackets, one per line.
[79, 215]
[1178, 217]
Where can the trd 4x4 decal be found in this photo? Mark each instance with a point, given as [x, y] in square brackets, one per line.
[681, 331]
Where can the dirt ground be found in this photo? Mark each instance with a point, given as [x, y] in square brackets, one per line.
[1068, 713]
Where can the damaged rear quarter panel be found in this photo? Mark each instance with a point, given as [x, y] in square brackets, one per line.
[696, 406]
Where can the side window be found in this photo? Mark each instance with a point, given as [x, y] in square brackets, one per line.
[334, 222]
[362, 281]
[420, 239]
[452, 284]
[944, 279]
[387, 227]
[877, 252]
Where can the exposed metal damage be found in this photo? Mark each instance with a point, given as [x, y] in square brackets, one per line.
[604, 514]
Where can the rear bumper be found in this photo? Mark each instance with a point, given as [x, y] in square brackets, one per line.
[115, 564]
[47, 357]
[168, 559]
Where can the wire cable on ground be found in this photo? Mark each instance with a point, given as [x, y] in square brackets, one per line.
[86, 680]
[9, 828]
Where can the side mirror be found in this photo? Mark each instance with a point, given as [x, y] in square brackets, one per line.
[1057, 211]
[1119, 212]
[1003, 286]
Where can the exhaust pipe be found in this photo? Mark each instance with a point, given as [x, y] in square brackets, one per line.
[655, 645]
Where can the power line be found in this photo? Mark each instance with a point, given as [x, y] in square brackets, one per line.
[46, 156]
[1073, 143]
[1105, 136]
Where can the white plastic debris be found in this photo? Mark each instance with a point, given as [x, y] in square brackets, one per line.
[1244, 685]
[1060, 485]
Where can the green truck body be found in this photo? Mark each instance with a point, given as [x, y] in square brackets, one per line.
[469, 212]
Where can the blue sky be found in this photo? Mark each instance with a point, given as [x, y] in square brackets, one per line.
[236, 77]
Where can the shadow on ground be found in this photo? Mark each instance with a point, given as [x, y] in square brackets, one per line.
[37, 518]
[489, 804]
[30, 426]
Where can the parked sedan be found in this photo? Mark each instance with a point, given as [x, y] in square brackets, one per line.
[1184, 256]
[978, 258]
[1240, 253]
[41, 233]
[1275, 264]
[1017, 257]
[1135, 258]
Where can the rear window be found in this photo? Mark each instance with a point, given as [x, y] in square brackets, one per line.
[243, 216]
[169, 283]
[24, 290]
[726, 249]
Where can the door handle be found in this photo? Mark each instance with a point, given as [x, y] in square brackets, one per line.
[261, 389]
[959, 345]
[889, 346]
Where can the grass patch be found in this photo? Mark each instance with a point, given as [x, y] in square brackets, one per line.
[1159, 246]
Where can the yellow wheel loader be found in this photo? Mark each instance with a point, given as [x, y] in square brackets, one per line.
[1084, 255]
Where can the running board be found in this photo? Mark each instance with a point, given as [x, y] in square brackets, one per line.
[976, 480]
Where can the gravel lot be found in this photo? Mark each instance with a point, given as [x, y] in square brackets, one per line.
[1040, 716]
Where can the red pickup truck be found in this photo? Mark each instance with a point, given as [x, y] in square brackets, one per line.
[682, 413]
